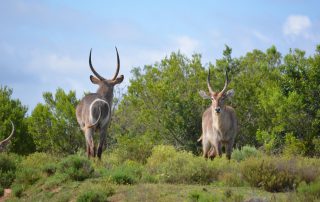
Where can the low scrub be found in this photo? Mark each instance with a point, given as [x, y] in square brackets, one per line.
[172, 166]
[8, 165]
[95, 192]
[128, 173]
[310, 192]
[131, 148]
[245, 153]
[33, 168]
[277, 174]
[76, 167]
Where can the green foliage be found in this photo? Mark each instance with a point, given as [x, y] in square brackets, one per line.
[53, 125]
[96, 193]
[12, 109]
[244, 153]
[172, 166]
[33, 168]
[310, 191]
[137, 148]
[8, 165]
[279, 174]
[76, 167]
[1, 191]
[17, 190]
[293, 146]
[163, 102]
[128, 173]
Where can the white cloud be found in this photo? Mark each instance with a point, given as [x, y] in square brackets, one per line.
[49, 64]
[297, 25]
[261, 37]
[186, 44]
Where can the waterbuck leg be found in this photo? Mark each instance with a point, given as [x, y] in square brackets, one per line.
[205, 148]
[101, 142]
[212, 153]
[90, 143]
[229, 149]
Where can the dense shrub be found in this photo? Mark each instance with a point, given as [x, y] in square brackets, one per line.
[95, 193]
[1, 191]
[172, 166]
[7, 169]
[76, 167]
[17, 190]
[33, 167]
[231, 178]
[274, 174]
[310, 191]
[128, 173]
[244, 153]
[131, 148]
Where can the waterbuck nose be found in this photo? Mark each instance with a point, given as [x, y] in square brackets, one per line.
[217, 110]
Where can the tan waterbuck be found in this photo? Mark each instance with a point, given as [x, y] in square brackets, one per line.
[219, 122]
[5, 142]
[94, 110]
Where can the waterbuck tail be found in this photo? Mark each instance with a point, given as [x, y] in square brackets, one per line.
[97, 121]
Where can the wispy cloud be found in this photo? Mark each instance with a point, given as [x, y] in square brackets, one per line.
[297, 25]
[186, 44]
[262, 37]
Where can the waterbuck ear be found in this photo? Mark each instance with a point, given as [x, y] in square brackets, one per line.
[229, 93]
[204, 95]
[94, 79]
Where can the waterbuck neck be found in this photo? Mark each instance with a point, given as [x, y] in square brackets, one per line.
[106, 93]
[218, 118]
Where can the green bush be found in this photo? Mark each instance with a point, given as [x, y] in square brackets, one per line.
[33, 168]
[231, 178]
[128, 173]
[273, 174]
[95, 194]
[244, 153]
[310, 191]
[172, 166]
[17, 190]
[294, 146]
[1, 191]
[7, 169]
[76, 167]
[131, 148]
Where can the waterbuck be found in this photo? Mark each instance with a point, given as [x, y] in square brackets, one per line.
[94, 110]
[5, 142]
[219, 122]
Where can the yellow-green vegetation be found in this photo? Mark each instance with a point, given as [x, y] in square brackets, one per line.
[168, 174]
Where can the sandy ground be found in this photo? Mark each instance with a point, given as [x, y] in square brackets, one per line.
[7, 193]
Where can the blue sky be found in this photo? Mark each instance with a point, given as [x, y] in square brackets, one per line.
[45, 44]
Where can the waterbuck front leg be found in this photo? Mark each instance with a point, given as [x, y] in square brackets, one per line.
[205, 147]
[229, 146]
[101, 142]
[89, 142]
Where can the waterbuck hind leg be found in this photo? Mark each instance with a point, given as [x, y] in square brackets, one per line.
[101, 142]
[229, 146]
[89, 141]
[205, 148]
[212, 153]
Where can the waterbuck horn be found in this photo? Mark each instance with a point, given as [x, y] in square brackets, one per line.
[93, 70]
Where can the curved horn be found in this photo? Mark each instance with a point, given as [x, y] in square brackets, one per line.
[92, 69]
[8, 138]
[225, 83]
[118, 66]
[208, 83]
